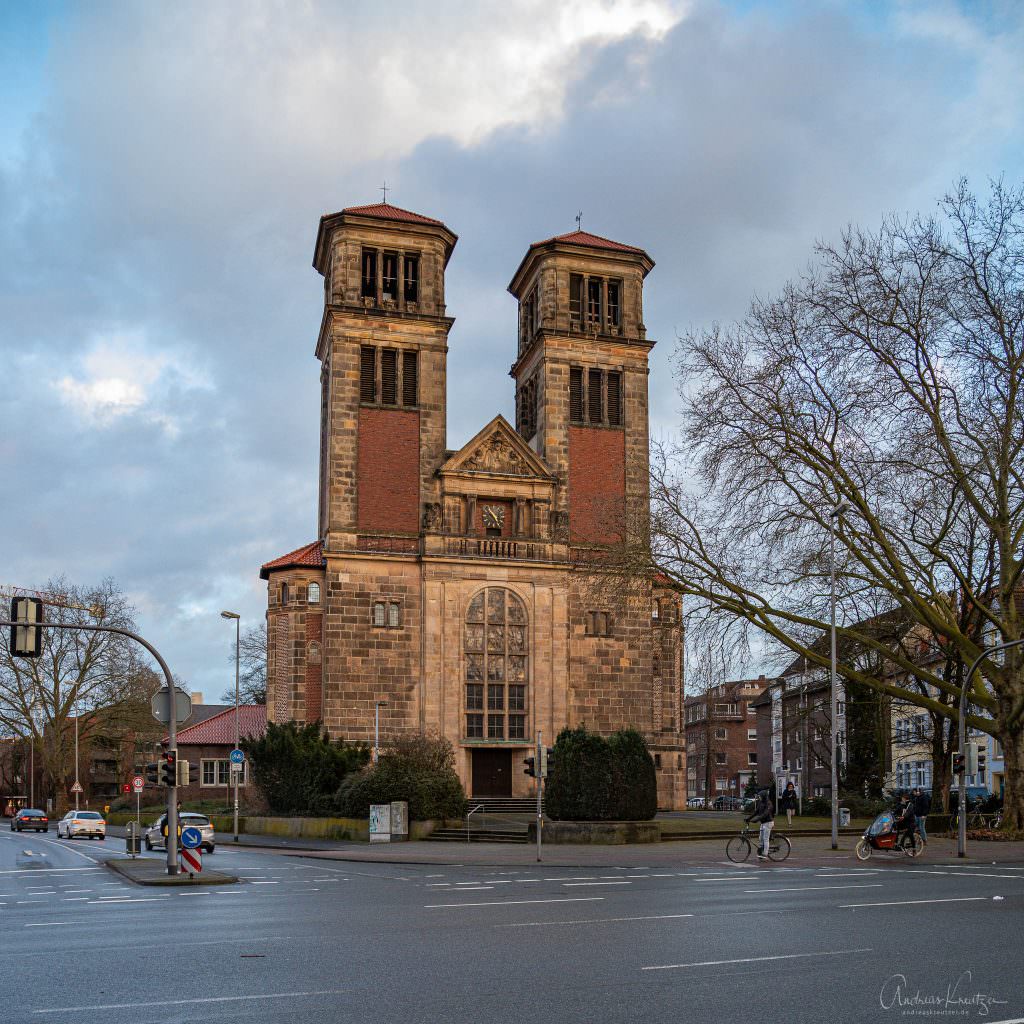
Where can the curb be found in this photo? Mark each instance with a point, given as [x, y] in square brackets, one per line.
[123, 867]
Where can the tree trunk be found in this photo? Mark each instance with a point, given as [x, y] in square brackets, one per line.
[1013, 770]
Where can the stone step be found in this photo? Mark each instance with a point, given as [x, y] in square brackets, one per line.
[504, 804]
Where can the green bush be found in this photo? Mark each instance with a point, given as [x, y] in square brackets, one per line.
[861, 807]
[298, 767]
[419, 769]
[598, 779]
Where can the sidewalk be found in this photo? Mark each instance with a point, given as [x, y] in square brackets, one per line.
[150, 871]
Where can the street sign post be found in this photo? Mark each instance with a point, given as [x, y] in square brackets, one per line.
[76, 787]
[138, 784]
[191, 860]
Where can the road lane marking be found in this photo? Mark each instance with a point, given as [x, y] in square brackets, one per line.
[509, 903]
[62, 846]
[733, 878]
[119, 901]
[907, 903]
[756, 959]
[817, 888]
[33, 871]
[46, 924]
[593, 920]
[189, 1002]
[569, 885]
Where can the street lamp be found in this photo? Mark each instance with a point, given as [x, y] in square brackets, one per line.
[961, 837]
[837, 511]
[238, 654]
[377, 705]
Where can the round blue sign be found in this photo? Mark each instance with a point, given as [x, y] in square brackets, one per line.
[237, 757]
[191, 838]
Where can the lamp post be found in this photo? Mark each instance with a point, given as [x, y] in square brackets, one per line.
[377, 705]
[238, 655]
[77, 784]
[837, 511]
[961, 838]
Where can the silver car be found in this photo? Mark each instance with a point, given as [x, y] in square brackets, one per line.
[154, 836]
[82, 823]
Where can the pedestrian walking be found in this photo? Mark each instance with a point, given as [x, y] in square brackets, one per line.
[788, 802]
[922, 805]
[764, 813]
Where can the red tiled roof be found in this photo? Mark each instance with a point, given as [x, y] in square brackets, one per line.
[593, 241]
[388, 212]
[312, 555]
[220, 729]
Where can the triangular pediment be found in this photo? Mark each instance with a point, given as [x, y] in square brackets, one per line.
[497, 451]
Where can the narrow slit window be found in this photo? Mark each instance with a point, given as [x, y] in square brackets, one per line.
[412, 279]
[390, 276]
[575, 395]
[389, 376]
[409, 378]
[575, 298]
[614, 305]
[369, 290]
[367, 374]
[615, 398]
[594, 411]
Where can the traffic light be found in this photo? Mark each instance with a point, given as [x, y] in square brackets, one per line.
[184, 769]
[26, 638]
[959, 762]
[972, 758]
[530, 768]
[169, 769]
[153, 773]
[547, 761]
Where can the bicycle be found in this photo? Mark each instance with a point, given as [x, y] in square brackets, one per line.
[975, 819]
[738, 848]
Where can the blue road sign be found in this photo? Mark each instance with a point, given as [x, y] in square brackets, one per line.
[191, 838]
[237, 757]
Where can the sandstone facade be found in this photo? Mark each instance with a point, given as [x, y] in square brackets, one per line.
[454, 585]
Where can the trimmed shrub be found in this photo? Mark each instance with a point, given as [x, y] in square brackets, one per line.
[298, 767]
[417, 768]
[598, 779]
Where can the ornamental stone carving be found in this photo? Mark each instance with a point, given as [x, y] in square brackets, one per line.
[496, 455]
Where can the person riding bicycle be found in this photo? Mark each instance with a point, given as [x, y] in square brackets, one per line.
[906, 822]
[764, 813]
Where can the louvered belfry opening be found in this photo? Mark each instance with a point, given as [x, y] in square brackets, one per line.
[576, 394]
[594, 410]
[409, 378]
[388, 376]
[368, 374]
[614, 398]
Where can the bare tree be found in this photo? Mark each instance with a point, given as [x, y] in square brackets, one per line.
[879, 397]
[90, 675]
[252, 685]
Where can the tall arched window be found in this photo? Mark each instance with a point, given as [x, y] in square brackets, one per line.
[313, 594]
[497, 666]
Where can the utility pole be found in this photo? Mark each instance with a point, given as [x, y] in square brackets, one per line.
[540, 792]
[836, 512]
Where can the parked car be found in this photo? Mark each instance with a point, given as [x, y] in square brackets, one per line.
[29, 818]
[82, 823]
[695, 801]
[727, 803]
[154, 836]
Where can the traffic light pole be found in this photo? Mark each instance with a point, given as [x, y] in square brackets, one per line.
[540, 789]
[172, 732]
[961, 809]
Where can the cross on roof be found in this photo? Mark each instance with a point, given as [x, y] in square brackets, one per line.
[579, 221]
[384, 189]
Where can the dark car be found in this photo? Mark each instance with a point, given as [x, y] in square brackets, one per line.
[30, 819]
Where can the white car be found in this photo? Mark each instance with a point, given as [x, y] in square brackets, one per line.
[82, 823]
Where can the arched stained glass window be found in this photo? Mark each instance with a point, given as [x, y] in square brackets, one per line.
[497, 666]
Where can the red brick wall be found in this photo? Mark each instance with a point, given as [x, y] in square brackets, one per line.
[597, 485]
[388, 470]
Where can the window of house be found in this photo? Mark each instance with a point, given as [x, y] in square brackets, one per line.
[284, 593]
[720, 734]
[313, 593]
[594, 302]
[575, 395]
[818, 762]
[614, 311]
[367, 374]
[411, 288]
[722, 785]
[614, 389]
[369, 275]
[656, 610]
[387, 614]
[410, 378]
[389, 376]
[217, 772]
[575, 299]
[751, 734]
[496, 657]
[720, 757]
[751, 757]
[595, 411]
[389, 276]
[599, 624]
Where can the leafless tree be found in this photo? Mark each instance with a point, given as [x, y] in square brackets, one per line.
[252, 685]
[885, 384]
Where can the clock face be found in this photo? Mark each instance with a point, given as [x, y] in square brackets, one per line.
[494, 516]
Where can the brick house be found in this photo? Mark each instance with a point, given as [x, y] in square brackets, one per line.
[721, 739]
[451, 584]
[206, 746]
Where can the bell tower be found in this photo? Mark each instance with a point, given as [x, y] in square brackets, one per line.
[581, 379]
[382, 347]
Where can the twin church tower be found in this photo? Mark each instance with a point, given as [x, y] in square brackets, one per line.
[452, 585]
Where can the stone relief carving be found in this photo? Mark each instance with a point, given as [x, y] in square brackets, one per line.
[560, 527]
[432, 515]
[496, 455]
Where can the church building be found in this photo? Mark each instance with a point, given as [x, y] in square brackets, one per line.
[460, 592]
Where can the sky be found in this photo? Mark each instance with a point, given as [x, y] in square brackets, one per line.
[163, 169]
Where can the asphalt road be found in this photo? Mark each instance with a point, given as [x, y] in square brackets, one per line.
[308, 940]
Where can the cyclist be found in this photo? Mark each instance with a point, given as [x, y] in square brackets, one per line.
[764, 813]
[905, 821]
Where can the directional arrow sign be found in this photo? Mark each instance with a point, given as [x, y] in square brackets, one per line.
[191, 838]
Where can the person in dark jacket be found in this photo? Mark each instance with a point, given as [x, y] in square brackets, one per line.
[788, 802]
[764, 814]
[905, 821]
[922, 805]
